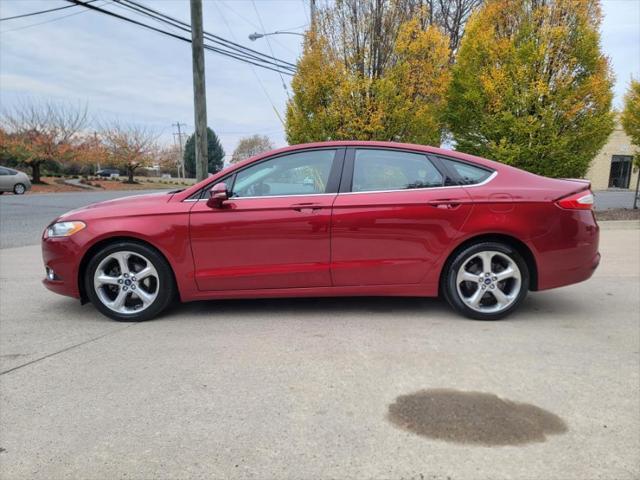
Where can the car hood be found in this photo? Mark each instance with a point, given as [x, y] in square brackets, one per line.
[126, 206]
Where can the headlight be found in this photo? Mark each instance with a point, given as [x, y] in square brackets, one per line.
[64, 229]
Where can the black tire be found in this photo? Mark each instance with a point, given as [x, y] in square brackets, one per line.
[19, 189]
[166, 288]
[458, 259]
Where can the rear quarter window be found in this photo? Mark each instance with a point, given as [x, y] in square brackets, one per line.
[463, 173]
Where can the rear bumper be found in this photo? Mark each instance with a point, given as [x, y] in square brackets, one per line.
[569, 276]
[571, 255]
[62, 256]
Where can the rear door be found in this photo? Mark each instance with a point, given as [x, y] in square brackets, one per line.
[393, 218]
[274, 230]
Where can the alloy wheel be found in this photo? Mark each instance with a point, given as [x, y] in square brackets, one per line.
[489, 281]
[126, 282]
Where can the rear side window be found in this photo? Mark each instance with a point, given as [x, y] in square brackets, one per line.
[380, 170]
[465, 173]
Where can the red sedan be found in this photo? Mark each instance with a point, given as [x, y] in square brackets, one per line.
[332, 219]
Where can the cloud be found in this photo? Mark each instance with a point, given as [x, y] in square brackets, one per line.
[123, 71]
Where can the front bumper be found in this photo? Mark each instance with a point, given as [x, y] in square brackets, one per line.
[62, 255]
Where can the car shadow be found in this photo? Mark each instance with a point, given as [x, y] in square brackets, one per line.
[329, 306]
[554, 302]
[548, 304]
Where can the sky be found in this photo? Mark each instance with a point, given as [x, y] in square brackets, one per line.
[123, 72]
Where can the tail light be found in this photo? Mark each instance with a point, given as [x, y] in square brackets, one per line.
[577, 201]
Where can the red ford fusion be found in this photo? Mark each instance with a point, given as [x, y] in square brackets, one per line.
[332, 219]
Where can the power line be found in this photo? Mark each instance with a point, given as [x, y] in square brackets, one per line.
[140, 14]
[227, 53]
[50, 20]
[259, 80]
[235, 53]
[255, 25]
[31, 14]
[284, 85]
[238, 48]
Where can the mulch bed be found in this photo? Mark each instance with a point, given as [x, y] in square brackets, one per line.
[618, 214]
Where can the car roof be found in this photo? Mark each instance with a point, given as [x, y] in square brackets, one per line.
[377, 144]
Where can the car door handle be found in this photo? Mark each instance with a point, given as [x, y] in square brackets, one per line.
[306, 207]
[444, 204]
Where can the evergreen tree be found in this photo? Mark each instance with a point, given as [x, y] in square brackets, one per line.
[215, 154]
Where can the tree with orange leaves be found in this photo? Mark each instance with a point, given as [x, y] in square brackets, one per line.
[129, 146]
[531, 86]
[376, 70]
[41, 133]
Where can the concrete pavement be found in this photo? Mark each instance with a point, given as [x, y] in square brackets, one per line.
[324, 388]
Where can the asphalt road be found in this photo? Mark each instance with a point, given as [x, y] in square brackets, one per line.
[24, 217]
[608, 199]
[324, 388]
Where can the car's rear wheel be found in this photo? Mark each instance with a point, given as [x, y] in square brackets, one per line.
[129, 282]
[486, 281]
[19, 189]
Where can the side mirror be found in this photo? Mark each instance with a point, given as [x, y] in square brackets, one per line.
[218, 195]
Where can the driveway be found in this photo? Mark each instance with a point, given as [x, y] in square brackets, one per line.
[324, 388]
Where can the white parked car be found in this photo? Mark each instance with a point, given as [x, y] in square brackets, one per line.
[13, 181]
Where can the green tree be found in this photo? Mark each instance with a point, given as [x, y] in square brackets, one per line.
[531, 87]
[631, 123]
[215, 154]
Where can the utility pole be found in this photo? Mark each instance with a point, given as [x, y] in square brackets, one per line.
[312, 8]
[95, 143]
[199, 92]
[179, 125]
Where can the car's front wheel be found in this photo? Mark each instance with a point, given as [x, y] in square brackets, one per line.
[129, 282]
[19, 189]
[486, 281]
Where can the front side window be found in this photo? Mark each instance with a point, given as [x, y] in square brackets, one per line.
[4, 171]
[304, 173]
[466, 174]
[380, 170]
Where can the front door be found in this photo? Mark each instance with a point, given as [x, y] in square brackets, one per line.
[394, 220]
[274, 230]
[620, 173]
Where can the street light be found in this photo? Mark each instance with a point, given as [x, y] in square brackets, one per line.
[254, 36]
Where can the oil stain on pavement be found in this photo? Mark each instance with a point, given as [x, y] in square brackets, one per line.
[473, 418]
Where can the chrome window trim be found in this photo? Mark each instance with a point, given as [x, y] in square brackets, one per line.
[484, 182]
[267, 196]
